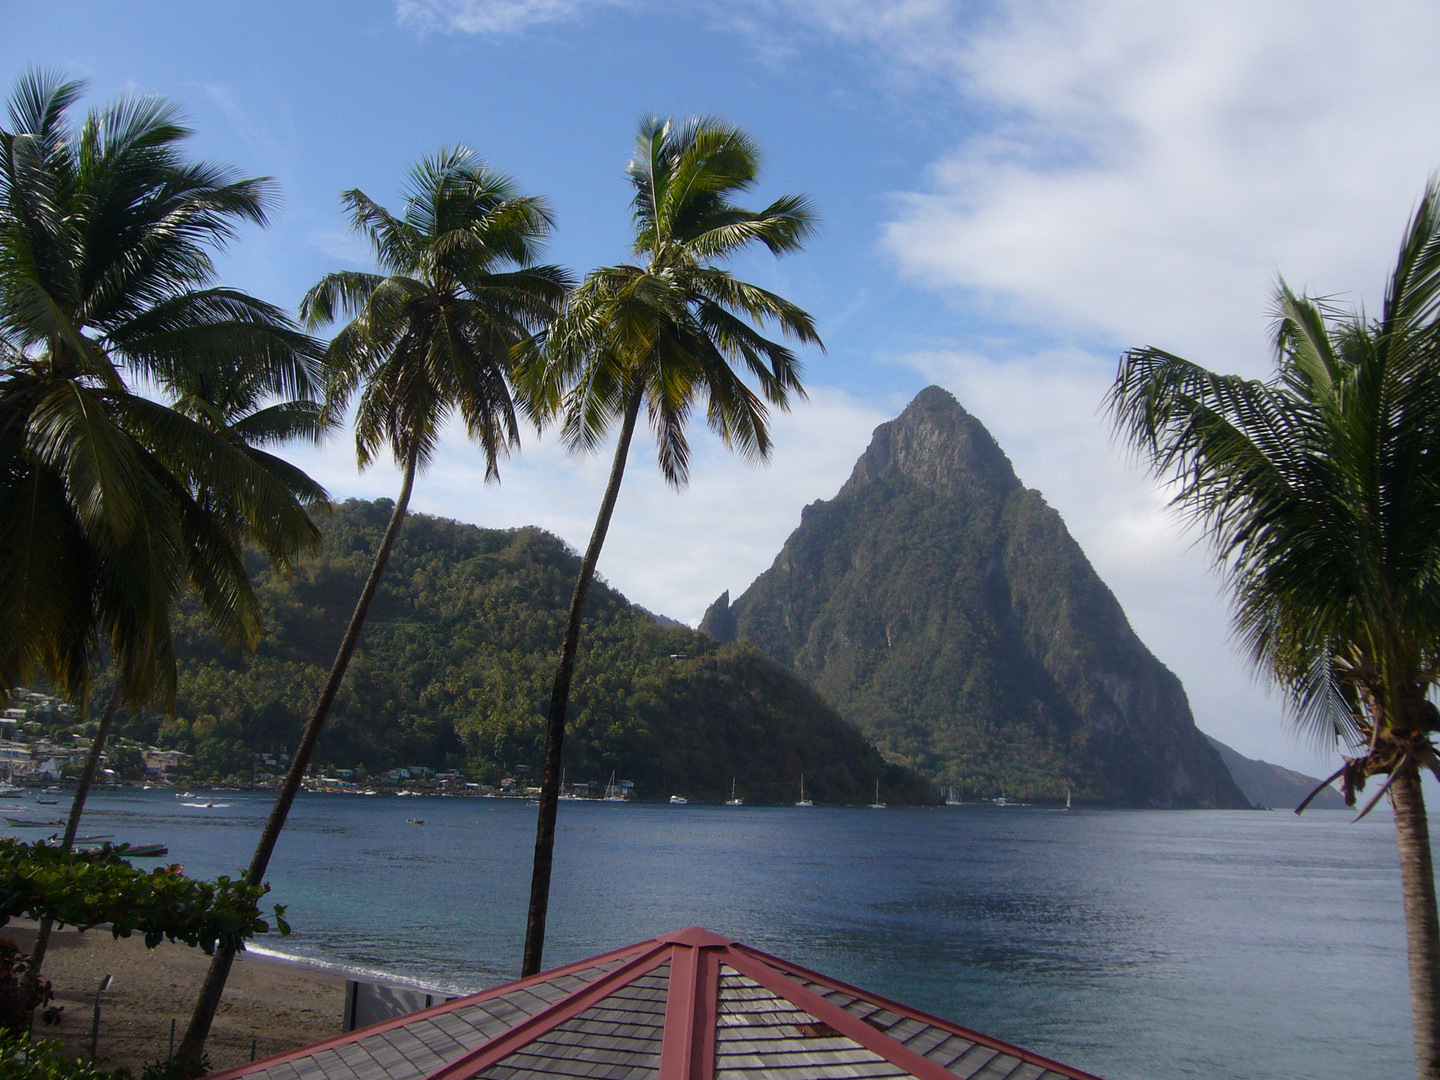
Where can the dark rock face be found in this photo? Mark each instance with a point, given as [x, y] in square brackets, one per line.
[945, 610]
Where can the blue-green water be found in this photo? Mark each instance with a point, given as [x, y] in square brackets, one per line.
[1137, 945]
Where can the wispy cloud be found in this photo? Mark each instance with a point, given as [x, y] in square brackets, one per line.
[489, 16]
[1150, 166]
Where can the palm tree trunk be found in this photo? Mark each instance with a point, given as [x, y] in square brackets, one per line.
[190, 1055]
[1422, 926]
[31, 985]
[560, 700]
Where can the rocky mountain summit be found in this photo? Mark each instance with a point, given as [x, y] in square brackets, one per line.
[946, 611]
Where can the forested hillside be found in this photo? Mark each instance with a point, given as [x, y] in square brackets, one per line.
[454, 669]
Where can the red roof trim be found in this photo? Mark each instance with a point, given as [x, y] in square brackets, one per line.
[507, 1042]
[687, 1051]
[785, 967]
[409, 1018]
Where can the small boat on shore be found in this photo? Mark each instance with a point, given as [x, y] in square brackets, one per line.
[145, 851]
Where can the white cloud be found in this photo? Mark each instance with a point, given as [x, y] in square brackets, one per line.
[488, 16]
[1153, 165]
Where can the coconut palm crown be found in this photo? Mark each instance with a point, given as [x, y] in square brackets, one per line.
[666, 335]
[679, 328]
[1319, 492]
[439, 331]
[112, 502]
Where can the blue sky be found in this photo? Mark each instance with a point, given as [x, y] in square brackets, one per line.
[1012, 193]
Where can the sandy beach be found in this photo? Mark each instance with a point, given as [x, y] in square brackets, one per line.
[269, 1004]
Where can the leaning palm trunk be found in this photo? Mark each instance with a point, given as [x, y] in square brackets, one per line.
[72, 826]
[1422, 930]
[192, 1047]
[560, 700]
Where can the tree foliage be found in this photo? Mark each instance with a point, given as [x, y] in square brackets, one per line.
[90, 888]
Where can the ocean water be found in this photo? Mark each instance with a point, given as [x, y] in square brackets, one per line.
[1136, 945]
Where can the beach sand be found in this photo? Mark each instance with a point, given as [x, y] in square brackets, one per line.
[273, 1005]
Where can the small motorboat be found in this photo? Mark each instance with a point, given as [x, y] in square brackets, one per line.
[31, 823]
[678, 800]
[47, 802]
[414, 821]
[207, 805]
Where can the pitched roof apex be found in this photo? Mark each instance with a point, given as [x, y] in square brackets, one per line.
[696, 937]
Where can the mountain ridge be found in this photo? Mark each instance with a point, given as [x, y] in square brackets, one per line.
[944, 609]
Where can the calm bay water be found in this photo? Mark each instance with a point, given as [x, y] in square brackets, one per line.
[1137, 945]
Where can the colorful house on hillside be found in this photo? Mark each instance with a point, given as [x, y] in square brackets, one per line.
[691, 1005]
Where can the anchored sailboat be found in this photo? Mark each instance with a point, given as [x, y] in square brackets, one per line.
[613, 792]
[877, 804]
[803, 800]
[733, 801]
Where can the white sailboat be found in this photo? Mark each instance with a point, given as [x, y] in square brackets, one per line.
[877, 804]
[733, 801]
[567, 796]
[803, 800]
[613, 792]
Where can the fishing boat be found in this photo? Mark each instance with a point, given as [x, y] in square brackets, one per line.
[733, 801]
[678, 800]
[803, 800]
[97, 838]
[47, 802]
[877, 804]
[145, 851]
[31, 823]
[414, 821]
[613, 793]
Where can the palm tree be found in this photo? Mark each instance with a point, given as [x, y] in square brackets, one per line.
[436, 333]
[111, 503]
[1319, 493]
[664, 335]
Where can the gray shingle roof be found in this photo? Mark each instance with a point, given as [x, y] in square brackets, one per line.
[691, 1005]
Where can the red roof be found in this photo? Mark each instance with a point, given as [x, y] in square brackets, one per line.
[691, 1005]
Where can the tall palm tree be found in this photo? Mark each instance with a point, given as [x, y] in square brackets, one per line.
[666, 334]
[112, 503]
[1319, 492]
[436, 334]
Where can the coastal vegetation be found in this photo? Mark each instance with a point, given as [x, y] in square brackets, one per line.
[1318, 492]
[667, 336]
[435, 335]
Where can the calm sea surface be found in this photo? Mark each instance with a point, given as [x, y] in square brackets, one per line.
[1137, 945]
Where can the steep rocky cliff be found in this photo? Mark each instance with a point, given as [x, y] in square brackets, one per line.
[944, 609]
